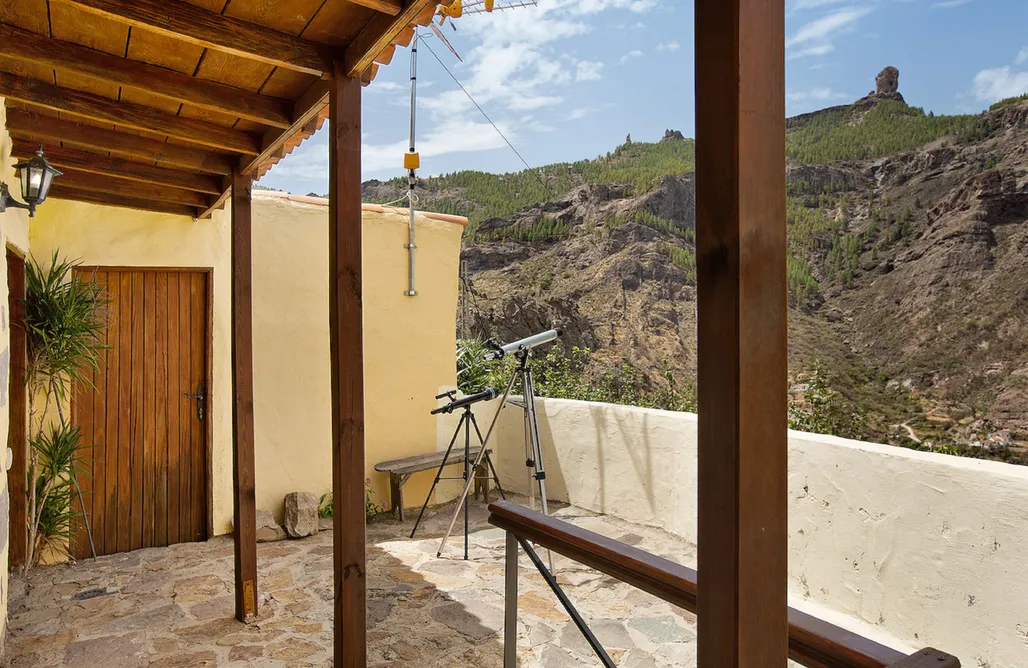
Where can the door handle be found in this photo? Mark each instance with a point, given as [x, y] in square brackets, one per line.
[199, 397]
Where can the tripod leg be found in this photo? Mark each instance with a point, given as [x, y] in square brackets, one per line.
[537, 449]
[488, 459]
[529, 445]
[478, 462]
[467, 478]
[438, 475]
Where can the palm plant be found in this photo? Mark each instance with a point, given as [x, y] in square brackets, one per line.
[65, 317]
[472, 368]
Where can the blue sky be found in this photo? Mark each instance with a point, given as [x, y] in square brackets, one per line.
[569, 79]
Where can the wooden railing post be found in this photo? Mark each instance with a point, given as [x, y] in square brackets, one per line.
[347, 370]
[741, 328]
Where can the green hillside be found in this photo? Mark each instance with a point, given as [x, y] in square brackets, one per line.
[818, 233]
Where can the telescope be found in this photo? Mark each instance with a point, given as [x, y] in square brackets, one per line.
[485, 395]
[499, 352]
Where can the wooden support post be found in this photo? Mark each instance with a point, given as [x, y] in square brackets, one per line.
[17, 435]
[243, 493]
[742, 373]
[347, 363]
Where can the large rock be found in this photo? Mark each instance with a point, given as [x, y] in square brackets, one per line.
[301, 518]
[888, 81]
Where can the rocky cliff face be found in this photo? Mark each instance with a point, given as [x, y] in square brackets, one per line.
[925, 328]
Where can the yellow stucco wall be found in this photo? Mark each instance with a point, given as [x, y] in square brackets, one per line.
[14, 234]
[408, 346]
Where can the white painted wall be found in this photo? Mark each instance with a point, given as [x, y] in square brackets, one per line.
[921, 549]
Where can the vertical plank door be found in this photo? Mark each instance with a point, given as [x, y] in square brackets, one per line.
[144, 455]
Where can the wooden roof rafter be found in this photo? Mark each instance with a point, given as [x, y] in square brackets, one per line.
[166, 98]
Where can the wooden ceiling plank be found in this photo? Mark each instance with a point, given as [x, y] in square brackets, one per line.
[79, 180]
[202, 93]
[379, 34]
[307, 107]
[70, 158]
[125, 114]
[390, 7]
[109, 199]
[196, 25]
[27, 125]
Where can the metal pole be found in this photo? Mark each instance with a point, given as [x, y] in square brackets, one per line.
[85, 515]
[510, 604]
[566, 602]
[478, 462]
[411, 177]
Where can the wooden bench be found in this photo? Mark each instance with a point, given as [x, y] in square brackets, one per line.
[400, 470]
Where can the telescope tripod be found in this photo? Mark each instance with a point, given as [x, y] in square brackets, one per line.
[467, 421]
[533, 446]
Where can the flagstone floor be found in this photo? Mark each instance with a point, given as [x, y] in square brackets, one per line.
[173, 606]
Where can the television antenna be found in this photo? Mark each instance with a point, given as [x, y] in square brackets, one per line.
[412, 159]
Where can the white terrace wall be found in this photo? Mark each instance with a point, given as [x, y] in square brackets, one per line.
[929, 549]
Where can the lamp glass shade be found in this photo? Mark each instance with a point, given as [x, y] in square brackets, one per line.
[36, 177]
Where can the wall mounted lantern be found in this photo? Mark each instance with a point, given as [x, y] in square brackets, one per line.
[36, 176]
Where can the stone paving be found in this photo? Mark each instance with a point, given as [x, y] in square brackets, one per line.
[173, 606]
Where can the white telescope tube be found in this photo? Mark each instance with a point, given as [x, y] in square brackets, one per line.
[524, 344]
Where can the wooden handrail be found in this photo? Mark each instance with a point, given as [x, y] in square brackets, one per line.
[812, 642]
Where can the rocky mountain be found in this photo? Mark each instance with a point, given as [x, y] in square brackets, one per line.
[908, 267]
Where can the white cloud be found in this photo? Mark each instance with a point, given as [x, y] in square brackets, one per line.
[999, 83]
[589, 70]
[631, 55]
[580, 113]
[825, 26]
[596, 6]
[669, 46]
[384, 86]
[454, 136]
[815, 94]
[946, 4]
[817, 50]
[813, 4]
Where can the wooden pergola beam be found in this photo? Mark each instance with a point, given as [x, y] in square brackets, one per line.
[31, 126]
[189, 23]
[244, 486]
[379, 34]
[58, 191]
[390, 7]
[741, 327]
[203, 93]
[306, 109]
[347, 372]
[76, 180]
[99, 108]
[70, 158]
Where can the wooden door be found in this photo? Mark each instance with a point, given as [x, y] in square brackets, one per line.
[144, 480]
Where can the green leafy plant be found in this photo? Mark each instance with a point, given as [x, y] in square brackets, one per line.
[65, 318]
[824, 410]
[472, 369]
[326, 507]
[371, 509]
